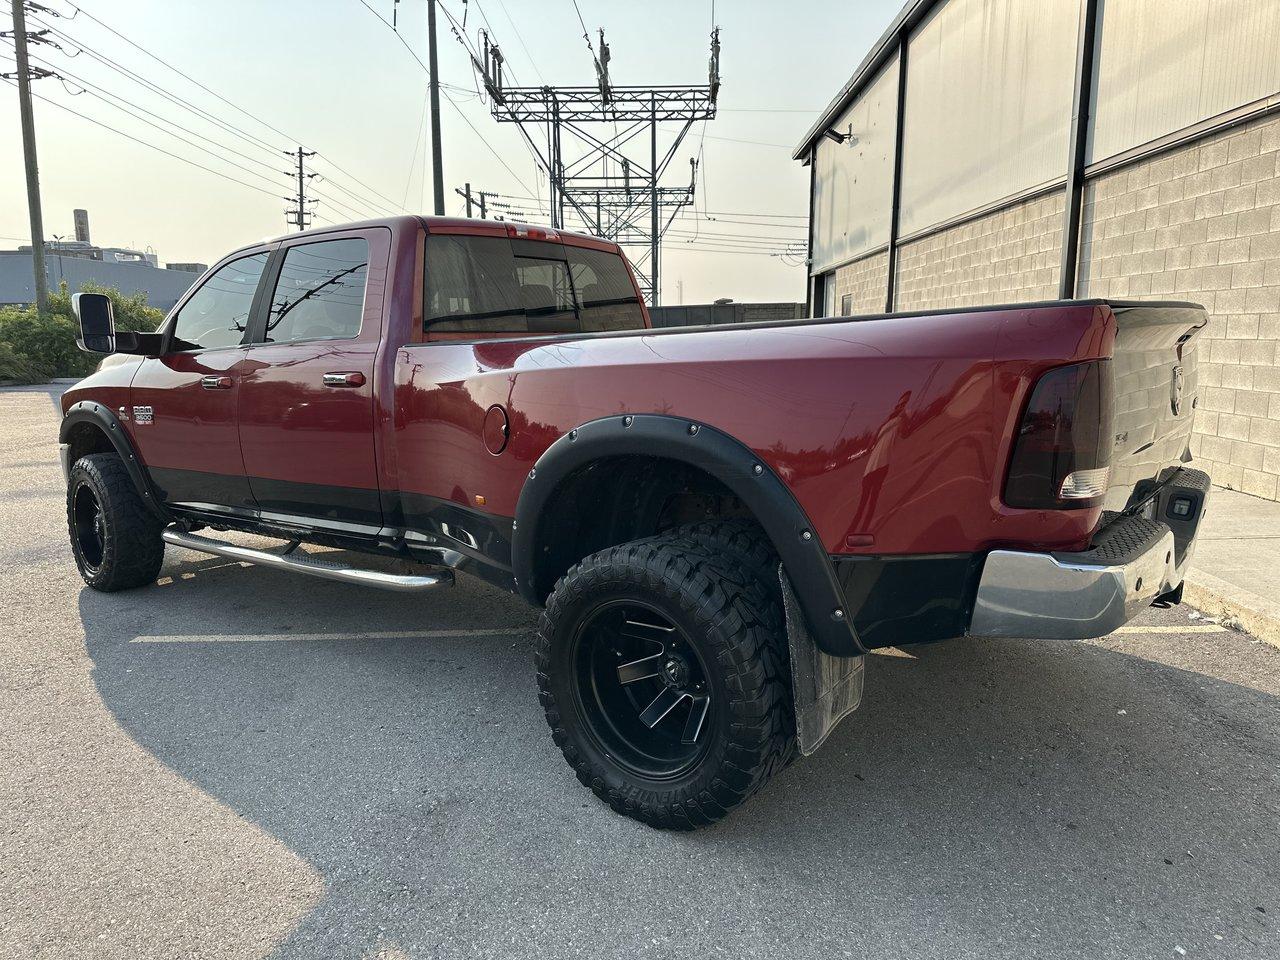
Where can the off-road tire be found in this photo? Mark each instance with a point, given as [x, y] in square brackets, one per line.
[131, 548]
[733, 624]
[743, 542]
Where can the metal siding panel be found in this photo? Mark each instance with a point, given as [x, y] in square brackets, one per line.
[853, 184]
[988, 105]
[1163, 65]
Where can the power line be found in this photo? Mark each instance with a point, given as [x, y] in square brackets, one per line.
[207, 90]
[109, 98]
[450, 99]
[152, 146]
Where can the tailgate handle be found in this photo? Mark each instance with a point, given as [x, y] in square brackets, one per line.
[344, 379]
[216, 383]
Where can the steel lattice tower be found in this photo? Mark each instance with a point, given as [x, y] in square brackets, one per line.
[581, 134]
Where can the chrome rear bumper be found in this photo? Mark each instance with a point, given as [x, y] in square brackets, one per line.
[1076, 596]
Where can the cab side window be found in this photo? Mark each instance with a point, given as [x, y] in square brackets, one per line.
[496, 285]
[320, 292]
[218, 313]
[547, 294]
[607, 297]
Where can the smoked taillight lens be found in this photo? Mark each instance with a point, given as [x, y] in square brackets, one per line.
[1061, 457]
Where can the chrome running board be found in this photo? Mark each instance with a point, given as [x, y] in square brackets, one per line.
[311, 566]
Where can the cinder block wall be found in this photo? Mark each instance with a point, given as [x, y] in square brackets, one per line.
[1009, 256]
[866, 280]
[1203, 224]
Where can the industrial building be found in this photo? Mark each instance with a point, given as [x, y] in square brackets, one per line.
[997, 151]
[80, 261]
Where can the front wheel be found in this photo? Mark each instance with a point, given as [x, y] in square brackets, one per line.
[662, 671]
[115, 539]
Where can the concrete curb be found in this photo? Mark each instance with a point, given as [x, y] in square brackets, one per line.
[1216, 597]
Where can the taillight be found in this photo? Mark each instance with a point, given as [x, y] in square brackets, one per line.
[1062, 455]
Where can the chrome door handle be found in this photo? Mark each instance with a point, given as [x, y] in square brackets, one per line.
[216, 383]
[355, 379]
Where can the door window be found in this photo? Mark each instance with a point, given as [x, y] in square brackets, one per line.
[218, 313]
[320, 293]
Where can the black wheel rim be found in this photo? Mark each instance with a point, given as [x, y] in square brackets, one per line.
[642, 689]
[90, 526]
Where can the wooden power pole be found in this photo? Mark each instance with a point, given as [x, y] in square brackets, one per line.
[29, 156]
[437, 161]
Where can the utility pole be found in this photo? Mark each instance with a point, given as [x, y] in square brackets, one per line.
[474, 199]
[29, 157]
[299, 216]
[437, 163]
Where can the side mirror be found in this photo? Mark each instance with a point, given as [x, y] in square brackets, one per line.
[97, 322]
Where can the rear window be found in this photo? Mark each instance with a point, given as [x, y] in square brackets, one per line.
[496, 285]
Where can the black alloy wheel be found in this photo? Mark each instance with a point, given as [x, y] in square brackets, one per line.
[642, 689]
[88, 525]
[663, 673]
[115, 537]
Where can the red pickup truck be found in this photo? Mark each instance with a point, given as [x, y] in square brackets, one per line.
[718, 521]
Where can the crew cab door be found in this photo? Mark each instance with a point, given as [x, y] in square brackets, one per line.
[307, 393]
[183, 403]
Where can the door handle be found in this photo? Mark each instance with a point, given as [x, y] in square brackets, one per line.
[355, 379]
[216, 383]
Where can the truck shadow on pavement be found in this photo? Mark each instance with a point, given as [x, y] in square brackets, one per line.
[997, 799]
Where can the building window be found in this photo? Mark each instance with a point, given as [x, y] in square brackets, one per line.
[846, 305]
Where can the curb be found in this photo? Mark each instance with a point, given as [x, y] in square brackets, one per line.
[1257, 615]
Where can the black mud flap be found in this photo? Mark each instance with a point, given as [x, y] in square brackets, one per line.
[826, 689]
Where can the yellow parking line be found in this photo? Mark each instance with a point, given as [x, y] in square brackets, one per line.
[355, 635]
[1175, 628]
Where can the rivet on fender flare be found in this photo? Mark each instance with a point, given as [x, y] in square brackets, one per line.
[837, 614]
[806, 535]
[757, 469]
[693, 429]
[627, 421]
[573, 435]
[533, 473]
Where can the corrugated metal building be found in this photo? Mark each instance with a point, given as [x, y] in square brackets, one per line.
[994, 151]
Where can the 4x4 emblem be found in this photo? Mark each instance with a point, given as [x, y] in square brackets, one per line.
[1175, 390]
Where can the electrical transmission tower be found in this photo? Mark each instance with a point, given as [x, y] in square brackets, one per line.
[581, 136]
[298, 215]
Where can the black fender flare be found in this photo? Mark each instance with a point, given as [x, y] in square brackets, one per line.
[771, 501]
[102, 417]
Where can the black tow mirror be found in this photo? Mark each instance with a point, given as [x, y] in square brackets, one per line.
[97, 322]
[98, 329]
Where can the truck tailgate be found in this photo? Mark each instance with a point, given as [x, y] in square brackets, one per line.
[1156, 392]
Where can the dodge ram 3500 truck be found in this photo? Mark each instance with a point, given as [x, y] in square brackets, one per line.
[718, 521]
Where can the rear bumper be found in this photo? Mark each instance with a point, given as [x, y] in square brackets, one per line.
[1076, 596]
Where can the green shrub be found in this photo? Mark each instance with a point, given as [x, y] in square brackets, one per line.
[35, 347]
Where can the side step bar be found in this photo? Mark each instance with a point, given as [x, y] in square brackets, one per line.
[312, 566]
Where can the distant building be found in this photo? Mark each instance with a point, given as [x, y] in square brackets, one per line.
[80, 261]
[17, 277]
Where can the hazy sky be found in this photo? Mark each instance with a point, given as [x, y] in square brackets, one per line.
[328, 74]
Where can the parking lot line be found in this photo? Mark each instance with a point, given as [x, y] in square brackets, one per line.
[364, 635]
[1175, 628]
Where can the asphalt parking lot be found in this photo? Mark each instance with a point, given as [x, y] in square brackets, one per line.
[240, 762]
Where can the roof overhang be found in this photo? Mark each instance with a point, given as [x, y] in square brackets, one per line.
[881, 52]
